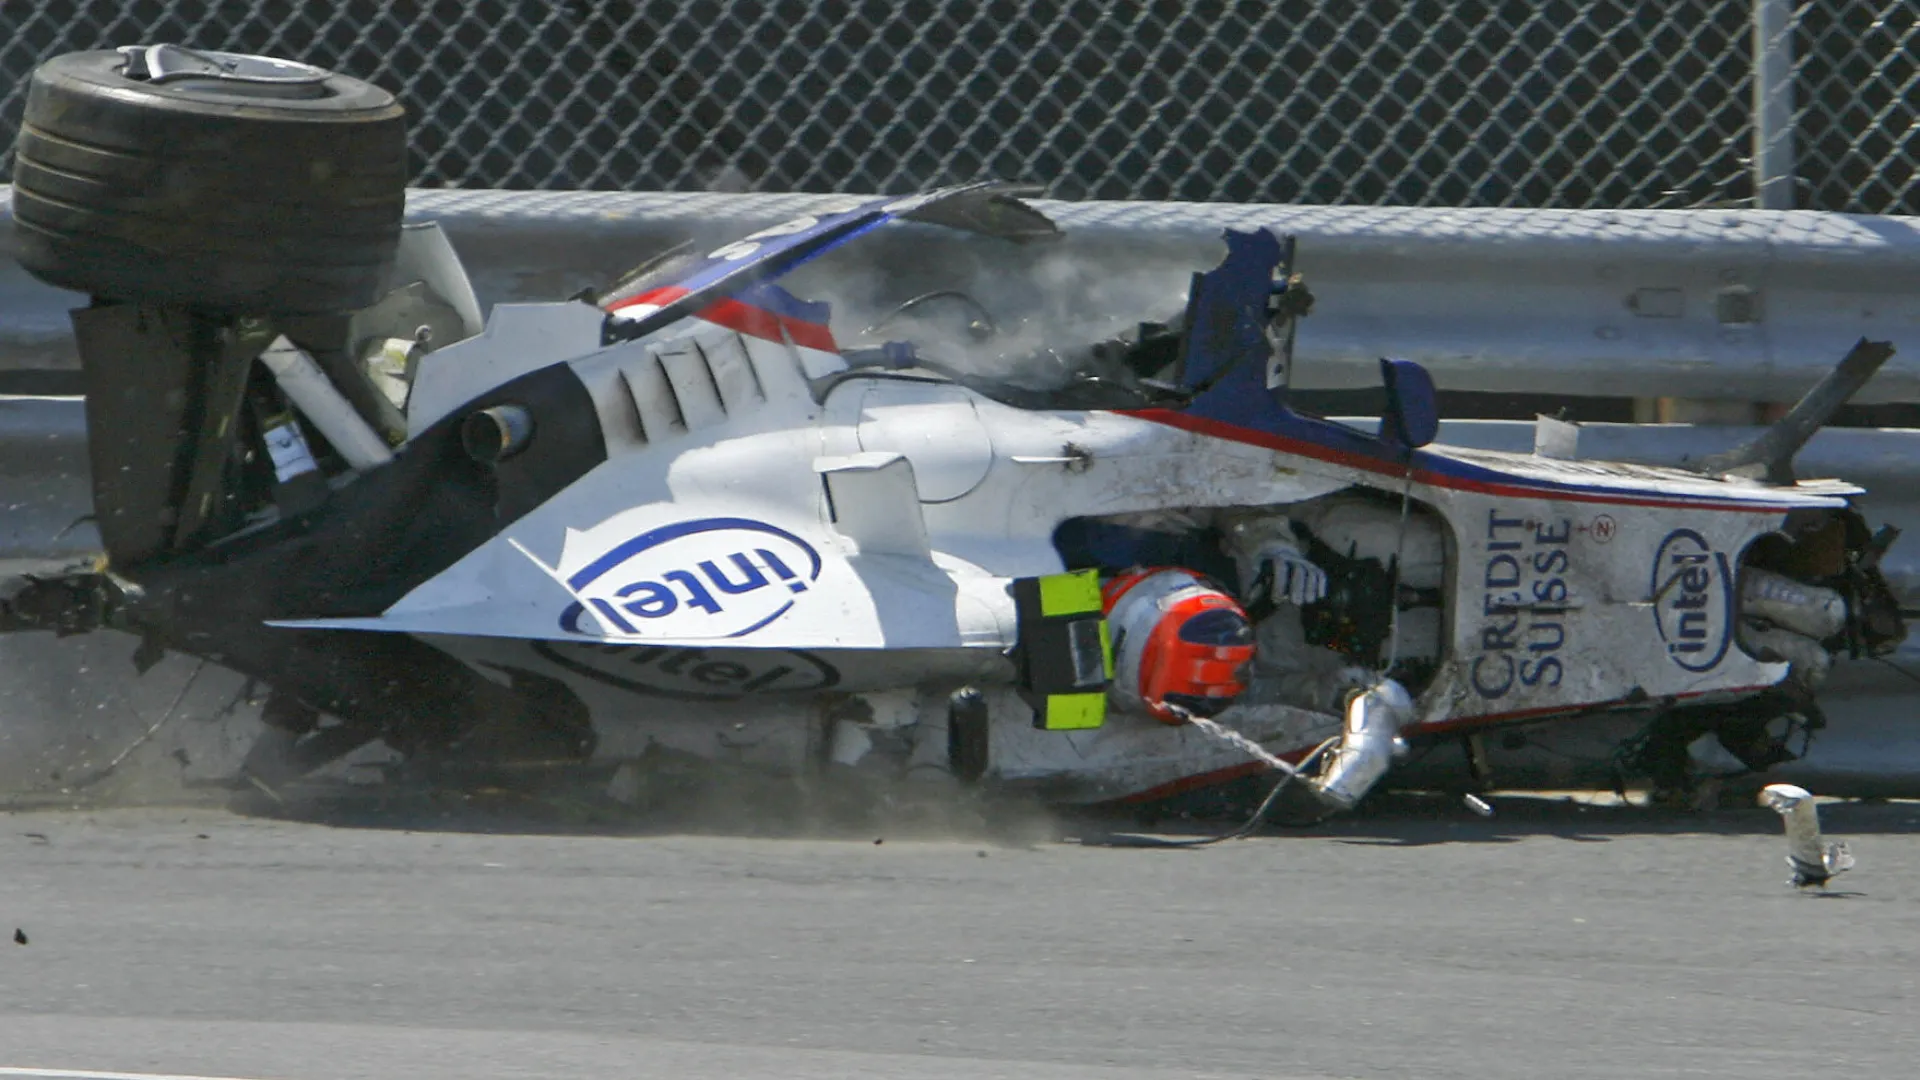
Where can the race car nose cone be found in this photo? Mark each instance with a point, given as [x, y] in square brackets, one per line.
[492, 434]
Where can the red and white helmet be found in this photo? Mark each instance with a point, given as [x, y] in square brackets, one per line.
[1178, 643]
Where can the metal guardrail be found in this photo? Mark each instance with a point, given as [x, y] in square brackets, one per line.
[1741, 305]
[1735, 305]
[46, 497]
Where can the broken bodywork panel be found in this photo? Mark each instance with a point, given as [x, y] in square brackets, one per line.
[686, 516]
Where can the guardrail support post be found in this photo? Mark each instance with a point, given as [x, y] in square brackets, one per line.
[1773, 180]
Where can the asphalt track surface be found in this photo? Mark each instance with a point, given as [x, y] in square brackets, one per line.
[1549, 941]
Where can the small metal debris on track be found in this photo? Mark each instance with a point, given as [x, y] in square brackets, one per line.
[1814, 860]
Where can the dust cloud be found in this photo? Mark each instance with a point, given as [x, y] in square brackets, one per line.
[1035, 303]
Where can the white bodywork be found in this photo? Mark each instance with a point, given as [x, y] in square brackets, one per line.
[771, 530]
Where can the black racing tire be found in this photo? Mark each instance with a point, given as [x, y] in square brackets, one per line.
[228, 199]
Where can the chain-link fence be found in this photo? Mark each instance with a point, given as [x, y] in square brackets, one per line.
[1570, 103]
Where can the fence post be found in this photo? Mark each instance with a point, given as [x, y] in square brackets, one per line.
[1773, 104]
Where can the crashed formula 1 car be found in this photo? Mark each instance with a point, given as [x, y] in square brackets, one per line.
[696, 514]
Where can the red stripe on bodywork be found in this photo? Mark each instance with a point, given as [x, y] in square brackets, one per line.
[660, 297]
[743, 318]
[761, 323]
[1288, 445]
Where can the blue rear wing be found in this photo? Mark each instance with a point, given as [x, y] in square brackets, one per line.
[1225, 343]
[988, 207]
[1228, 349]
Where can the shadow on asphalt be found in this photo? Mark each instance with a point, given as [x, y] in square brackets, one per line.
[764, 809]
[776, 810]
[1413, 819]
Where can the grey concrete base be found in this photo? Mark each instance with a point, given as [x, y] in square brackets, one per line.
[70, 706]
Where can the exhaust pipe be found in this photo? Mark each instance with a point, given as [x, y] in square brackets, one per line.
[1369, 744]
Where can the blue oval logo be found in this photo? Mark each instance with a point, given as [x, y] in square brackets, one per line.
[710, 578]
[1692, 592]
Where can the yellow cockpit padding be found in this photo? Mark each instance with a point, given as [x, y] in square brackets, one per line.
[1075, 712]
[1076, 592]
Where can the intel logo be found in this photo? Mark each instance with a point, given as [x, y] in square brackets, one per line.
[1692, 600]
[711, 578]
[692, 673]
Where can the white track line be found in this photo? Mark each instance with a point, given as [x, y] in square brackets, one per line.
[91, 1075]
